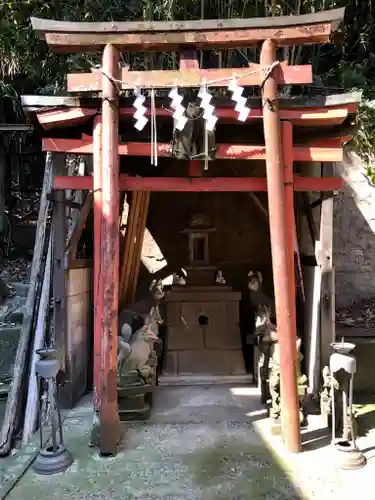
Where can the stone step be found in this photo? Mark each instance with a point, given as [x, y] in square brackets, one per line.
[9, 337]
[16, 315]
[20, 288]
[12, 310]
[191, 380]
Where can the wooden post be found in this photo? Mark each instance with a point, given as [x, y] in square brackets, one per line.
[15, 394]
[279, 248]
[32, 405]
[140, 232]
[59, 232]
[98, 308]
[109, 258]
[287, 145]
[327, 317]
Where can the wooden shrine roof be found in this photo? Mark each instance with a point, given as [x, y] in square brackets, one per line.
[65, 111]
[64, 36]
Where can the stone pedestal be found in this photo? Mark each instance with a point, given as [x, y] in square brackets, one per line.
[135, 394]
[203, 334]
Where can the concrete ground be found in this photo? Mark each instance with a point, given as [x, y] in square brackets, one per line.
[201, 443]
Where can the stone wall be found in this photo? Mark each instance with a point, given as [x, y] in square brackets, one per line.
[354, 239]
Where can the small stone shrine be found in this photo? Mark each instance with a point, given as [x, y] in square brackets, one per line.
[202, 316]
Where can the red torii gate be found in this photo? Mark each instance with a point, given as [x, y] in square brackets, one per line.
[278, 151]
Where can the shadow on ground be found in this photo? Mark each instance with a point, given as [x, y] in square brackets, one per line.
[191, 460]
[230, 469]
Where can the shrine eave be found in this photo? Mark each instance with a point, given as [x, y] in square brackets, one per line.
[65, 111]
[65, 36]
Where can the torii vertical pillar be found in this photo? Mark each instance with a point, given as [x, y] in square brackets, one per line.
[109, 256]
[98, 277]
[280, 255]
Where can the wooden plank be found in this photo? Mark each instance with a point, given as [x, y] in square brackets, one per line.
[130, 238]
[300, 116]
[59, 227]
[208, 184]
[33, 103]
[304, 117]
[133, 246]
[65, 117]
[81, 264]
[141, 227]
[190, 78]
[224, 151]
[327, 310]
[43, 26]
[310, 218]
[318, 184]
[32, 402]
[71, 248]
[287, 145]
[11, 411]
[314, 373]
[98, 279]
[139, 42]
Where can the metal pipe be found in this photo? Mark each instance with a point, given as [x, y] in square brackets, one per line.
[109, 258]
[279, 248]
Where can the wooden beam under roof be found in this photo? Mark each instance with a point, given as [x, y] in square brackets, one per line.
[38, 103]
[223, 152]
[140, 36]
[65, 117]
[200, 184]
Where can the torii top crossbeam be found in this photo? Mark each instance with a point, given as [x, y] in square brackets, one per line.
[205, 34]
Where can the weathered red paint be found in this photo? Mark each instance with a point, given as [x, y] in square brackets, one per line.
[98, 279]
[110, 237]
[285, 74]
[64, 117]
[224, 151]
[280, 262]
[209, 184]
[287, 145]
[172, 35]
[331, 115]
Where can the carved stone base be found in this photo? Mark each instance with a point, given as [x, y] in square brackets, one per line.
[275, 426]
[132, 413]
[135, 395]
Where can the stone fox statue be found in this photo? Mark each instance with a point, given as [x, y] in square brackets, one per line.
[133, 318]
[134, 353]
[257, 296]
[266, 335]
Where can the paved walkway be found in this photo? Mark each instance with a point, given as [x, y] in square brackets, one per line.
[200, 444]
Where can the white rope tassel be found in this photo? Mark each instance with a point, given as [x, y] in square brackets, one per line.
[139, 114]
[154, 138]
